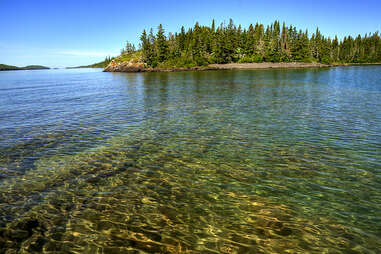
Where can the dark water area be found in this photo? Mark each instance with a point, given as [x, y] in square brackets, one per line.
[244, 161]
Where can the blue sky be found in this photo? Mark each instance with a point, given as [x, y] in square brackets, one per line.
[76, 32]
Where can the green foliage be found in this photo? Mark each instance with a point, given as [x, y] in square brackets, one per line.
[251, 59]
[185, 62]
[202, 45]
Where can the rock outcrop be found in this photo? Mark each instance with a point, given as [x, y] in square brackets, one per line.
[130, 66]
[137, 66]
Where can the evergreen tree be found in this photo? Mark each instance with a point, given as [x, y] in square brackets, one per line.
[152, 56]
[335, 50]
[161, 44]
[181, 39]
[250, 41]
[145, 47]
[130, 48]
[284, 44]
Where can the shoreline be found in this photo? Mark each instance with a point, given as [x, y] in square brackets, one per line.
[139, 67]
[267, 65]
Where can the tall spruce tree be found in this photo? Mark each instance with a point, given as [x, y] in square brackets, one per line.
[161, 44]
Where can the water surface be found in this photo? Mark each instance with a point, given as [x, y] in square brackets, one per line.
[263, 161]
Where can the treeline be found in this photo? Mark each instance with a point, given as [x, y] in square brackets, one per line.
[202, 45]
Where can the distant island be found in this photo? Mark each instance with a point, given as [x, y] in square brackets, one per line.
[231, 47]
[4, 67]
[102, 64]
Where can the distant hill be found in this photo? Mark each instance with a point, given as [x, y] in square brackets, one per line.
[5, 67]
[35, 67]
[102, 64]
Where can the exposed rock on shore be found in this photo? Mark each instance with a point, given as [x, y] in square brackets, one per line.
[137, 66]
[265, 65]
[130, 66]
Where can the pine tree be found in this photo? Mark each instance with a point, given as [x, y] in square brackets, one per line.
[130, 48]
[284, 45]
[181, 39]
[145, 46]
[250, 41]
[161, 44]
[335, 50]
[152, 56]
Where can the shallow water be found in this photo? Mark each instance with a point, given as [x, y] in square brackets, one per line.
[265, 161]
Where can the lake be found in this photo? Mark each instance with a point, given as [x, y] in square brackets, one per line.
[250, 161]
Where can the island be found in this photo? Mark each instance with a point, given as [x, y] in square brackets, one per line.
[234, 47]
[4, 67]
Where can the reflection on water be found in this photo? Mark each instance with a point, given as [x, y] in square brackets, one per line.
[201, 162]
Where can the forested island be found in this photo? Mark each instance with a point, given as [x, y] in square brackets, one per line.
[4, 67]
[204, 47]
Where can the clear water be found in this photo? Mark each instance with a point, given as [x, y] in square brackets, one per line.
[267, 161]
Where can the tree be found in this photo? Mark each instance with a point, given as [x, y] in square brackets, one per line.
[146, 48]
[335, 50]
[161, 45]
[284, 44]
[130, 48]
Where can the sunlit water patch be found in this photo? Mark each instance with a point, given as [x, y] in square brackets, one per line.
[195, 162]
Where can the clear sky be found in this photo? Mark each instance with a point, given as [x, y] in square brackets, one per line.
[63, 33]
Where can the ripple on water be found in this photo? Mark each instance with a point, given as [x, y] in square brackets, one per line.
[154, 198]
[163, 163]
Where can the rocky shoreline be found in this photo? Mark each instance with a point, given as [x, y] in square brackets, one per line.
[139, 67]
[269, 65]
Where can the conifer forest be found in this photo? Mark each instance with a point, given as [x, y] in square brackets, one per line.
[229, 43]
